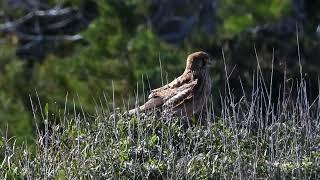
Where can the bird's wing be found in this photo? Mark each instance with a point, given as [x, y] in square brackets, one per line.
[181, 94]
[153, 103]
[168, 89]
[150, 104]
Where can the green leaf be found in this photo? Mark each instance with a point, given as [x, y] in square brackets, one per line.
[153, 140]
[46, 109]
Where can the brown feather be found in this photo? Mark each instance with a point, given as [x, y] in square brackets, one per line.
[186, 93]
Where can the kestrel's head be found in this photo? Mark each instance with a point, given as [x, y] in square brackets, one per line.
[198, 61]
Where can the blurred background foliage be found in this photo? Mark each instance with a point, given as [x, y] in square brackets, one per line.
[83, 50]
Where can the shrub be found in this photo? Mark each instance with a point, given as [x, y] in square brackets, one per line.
[251, 138]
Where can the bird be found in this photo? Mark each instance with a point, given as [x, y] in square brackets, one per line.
[187, 94]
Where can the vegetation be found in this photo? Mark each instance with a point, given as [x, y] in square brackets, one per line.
[57, 115]
[253, 138]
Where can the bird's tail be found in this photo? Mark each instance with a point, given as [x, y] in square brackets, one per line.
[149, 105]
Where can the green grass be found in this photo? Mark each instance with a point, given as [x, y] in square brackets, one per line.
[251, 138]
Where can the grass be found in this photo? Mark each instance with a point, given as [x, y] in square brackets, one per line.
[250, 138]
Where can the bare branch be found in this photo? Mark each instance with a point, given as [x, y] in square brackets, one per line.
[52, 13]
[41, 31]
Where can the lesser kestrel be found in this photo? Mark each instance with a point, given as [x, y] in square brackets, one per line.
[187, 94]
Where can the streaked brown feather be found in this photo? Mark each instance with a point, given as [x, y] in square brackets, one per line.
[169, 89]
[186, 93]
[181, 94]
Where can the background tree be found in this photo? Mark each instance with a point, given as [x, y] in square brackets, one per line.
[123, 42]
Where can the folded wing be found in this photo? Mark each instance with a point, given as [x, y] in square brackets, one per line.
[167, 89]
[170, 95]
[182, 94]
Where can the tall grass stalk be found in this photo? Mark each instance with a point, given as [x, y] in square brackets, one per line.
[251, 138]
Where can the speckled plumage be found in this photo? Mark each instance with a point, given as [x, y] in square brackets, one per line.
[187, 94]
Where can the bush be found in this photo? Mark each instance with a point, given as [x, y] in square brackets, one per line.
[252, 138]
